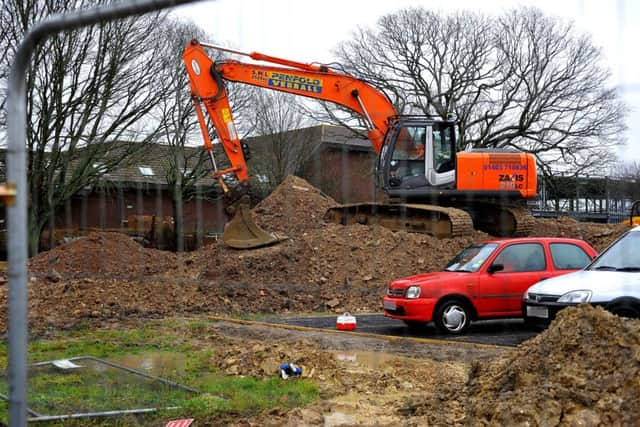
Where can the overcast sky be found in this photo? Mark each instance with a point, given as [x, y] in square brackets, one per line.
[308, 31]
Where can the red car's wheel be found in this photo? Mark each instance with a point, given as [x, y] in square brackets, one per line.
[452, 316]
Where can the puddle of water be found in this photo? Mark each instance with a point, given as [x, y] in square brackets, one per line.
[160, 363]
[369, 359]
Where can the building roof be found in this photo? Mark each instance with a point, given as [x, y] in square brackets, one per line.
[326, 134]
[149, 166]
[152, 166]
[339, 136]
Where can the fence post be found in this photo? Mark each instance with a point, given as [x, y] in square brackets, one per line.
[17, 234]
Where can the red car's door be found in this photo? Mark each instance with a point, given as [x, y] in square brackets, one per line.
[501, 288]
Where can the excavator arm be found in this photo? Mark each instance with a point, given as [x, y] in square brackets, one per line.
[313, 81]
[207, 80]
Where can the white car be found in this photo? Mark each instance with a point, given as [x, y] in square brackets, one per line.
[612, 281]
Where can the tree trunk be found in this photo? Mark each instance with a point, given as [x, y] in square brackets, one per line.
[35, 231]
[178, 219]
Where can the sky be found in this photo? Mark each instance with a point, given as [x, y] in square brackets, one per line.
[308, 31]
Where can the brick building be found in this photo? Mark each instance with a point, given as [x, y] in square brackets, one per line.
[140, 188]
[336, 162]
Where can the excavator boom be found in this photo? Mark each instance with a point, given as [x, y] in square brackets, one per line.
[207, 80]
[312, 81]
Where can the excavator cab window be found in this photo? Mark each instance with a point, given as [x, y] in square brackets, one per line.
[408, 156]
[443, 150]
[422, 155]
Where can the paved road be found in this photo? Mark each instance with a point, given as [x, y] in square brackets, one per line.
[509, 332]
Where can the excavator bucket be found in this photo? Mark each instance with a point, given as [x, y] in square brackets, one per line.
[242, 233]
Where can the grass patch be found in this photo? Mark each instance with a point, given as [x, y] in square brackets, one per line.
[157, 350]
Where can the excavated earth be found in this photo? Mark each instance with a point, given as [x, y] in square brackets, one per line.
[584, 370]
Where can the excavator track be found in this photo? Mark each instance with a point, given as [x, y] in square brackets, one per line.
[438, 221]
[524, 221]
[494, 219]
[501, 220]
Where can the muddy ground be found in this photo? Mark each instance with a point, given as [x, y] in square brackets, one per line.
[583, 371]
[569, 375]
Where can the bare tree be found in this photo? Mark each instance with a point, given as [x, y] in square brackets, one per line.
[89, 95]
[282, 146]
[184, 168]
[522, 80]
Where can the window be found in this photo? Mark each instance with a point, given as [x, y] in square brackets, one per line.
[146, 170]
[472, 258]
[100, 167]
[443, 150]
[522, 257]
[407, 158]
[623, 254]
[567, 256]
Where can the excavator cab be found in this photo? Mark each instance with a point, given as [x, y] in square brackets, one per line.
[418, 156]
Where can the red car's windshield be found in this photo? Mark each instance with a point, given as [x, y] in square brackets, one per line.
[471, 258]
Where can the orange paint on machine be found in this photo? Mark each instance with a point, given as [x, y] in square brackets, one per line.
[497, 171]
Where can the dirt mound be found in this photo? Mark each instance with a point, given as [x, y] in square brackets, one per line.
[588, 364]
[583, 370]
[262, 360]
[336, 267]
[294, 207]
[101, 254]
[597, 235]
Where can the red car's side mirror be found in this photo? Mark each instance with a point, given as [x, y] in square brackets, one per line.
[495, 267]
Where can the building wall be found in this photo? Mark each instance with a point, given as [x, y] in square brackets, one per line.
[112, 210]
[345, 175]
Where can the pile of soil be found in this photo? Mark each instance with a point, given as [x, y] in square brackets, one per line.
[336, 267]
[294, 207]
[101, 254]
[583, 370]
[597, 235]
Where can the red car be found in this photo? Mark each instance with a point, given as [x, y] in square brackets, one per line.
[486, 280]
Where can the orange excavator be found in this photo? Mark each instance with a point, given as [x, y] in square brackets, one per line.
[431, 187]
